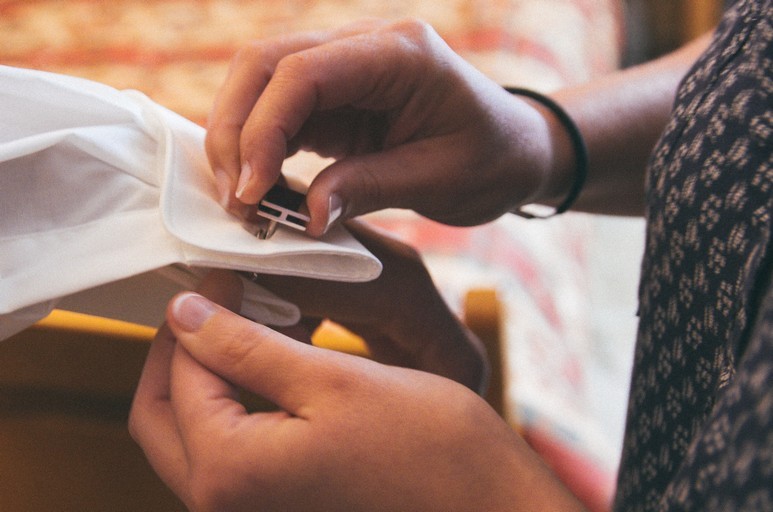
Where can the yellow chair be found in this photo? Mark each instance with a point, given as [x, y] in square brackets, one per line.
[66, 385]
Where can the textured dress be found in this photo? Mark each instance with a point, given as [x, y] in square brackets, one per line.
[699, 432]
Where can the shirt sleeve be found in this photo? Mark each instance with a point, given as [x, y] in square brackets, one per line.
[729, 466]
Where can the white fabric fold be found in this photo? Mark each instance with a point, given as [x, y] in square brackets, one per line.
[100, 186]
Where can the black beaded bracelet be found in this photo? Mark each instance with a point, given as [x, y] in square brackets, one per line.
[580, 151]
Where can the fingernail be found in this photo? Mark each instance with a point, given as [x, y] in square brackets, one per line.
[223, 182]
[192, 310]
[244, 179]
[335, 209]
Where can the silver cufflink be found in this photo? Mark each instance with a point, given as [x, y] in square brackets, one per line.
[281, 205]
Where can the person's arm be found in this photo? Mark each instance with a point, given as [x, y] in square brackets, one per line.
[621, 117]
[412, 125]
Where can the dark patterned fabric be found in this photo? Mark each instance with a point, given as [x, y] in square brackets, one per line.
[699, 433]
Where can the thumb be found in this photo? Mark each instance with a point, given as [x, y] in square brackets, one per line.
[361, 184]
[244, 353]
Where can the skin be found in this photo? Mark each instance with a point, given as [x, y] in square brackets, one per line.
[350, 433]
[420, 128]
[401, 315]
[417, 106]
[415, 128]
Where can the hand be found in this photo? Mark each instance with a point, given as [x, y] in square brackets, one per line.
[411, 124]
[351, 434]
[401, 315]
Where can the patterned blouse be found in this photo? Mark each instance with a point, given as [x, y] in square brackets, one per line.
[699, 433]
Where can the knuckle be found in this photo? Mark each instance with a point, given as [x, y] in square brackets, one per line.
[341, 384]
[139, 420]
[238, 346]
[294, 67]
[352, 380]
[469, 406]
[413, 31]
[370, 186]
[212, 141]
[241, 348]
[220, 129]
[411, 27]
[134, 424]
[249, 55]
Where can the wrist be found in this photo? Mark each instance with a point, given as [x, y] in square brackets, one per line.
[565, 174]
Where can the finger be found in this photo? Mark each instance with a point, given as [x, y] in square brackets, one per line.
[338, 73]
[226, 289]
[151, 420]
[250, 71]
[396, 178]
[246, 354]
[205, 406]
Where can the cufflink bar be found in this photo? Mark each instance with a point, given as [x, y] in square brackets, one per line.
[281, 205]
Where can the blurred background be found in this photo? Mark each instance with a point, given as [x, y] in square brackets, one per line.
[566, 287]
[654, 27]
[177, 50]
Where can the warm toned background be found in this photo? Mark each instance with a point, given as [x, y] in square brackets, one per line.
[177, 51]
[569, 300]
